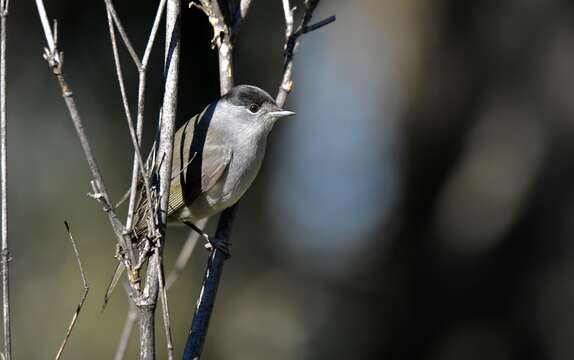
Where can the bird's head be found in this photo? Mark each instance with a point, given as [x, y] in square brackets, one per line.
[251, 107]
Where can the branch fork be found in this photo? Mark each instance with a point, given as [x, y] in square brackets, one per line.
[213, 13]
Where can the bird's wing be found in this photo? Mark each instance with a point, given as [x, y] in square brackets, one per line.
[198, 163]
[216, 159]
[191, 183]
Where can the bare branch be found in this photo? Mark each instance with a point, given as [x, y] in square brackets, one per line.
[292, 42]
[163, 164]
[153, 32]
[213, 271]
[55, 60]
[123, 34]
[3, 187]
[221, 39]
[47, 30]
[84, 295]
[288, 11]
[164, 306]
[134, 137]
[181, 262]
[140, 114]
[144, 300]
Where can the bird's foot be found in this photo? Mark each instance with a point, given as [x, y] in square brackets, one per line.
[222, 245]
[210, 245]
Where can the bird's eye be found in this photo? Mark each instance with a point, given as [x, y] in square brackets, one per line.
[254, 108]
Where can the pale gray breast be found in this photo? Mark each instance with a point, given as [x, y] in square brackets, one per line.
[247, 157]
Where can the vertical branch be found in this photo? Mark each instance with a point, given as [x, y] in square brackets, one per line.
[135, 135]
[286, 83]
[214, 269]
[181, 262]
[3, 188]
[211, 279]
[140, 111]
[163, 164]
[223, 38]
[138, 158]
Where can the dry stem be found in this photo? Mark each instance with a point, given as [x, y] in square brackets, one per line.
[5, 254]
[84, 294]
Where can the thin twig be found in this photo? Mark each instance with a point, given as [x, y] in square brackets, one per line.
[136, 164]
[145, 300]
[140, 111]
[140, 115]
[55, 60]
[163, 164]
[126, 332]
[292, 42]
[164, 306]
[84, 295]
[3, 187]
[153, 32]
[47, 30]
[134, 137]
[288, 11]
[123, 33]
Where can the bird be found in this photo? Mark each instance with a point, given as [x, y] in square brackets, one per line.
[216, 156]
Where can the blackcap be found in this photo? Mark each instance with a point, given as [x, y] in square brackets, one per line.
[217, 154]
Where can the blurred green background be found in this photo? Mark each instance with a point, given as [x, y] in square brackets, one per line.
[417, 207]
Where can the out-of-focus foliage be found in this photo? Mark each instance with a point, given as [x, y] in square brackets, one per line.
[418, 207]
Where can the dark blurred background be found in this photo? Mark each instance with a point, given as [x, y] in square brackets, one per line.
[418, 207]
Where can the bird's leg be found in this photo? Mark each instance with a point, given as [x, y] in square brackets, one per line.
[220, 245]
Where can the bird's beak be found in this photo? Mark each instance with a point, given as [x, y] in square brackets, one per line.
[281, 113]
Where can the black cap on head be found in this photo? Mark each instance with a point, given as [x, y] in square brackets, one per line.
[245, 95]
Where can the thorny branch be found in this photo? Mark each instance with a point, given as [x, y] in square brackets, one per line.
[84, 294]
[5, 254]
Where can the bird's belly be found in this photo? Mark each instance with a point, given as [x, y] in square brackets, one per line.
[227, 191]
